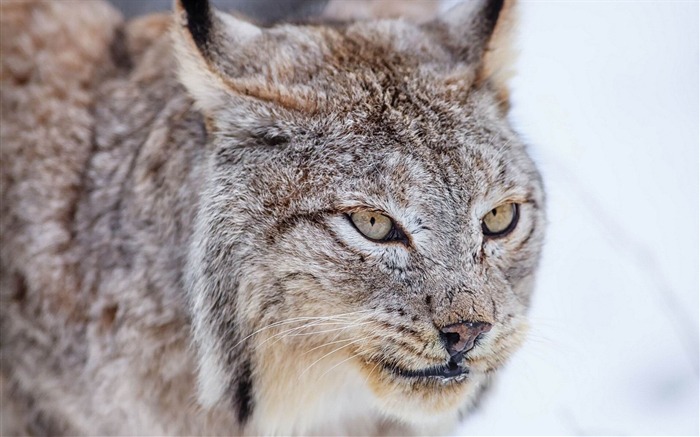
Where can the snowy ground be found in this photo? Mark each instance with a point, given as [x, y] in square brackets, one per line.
[607, 96]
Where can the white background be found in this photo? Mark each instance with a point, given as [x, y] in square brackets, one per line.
[606, 94]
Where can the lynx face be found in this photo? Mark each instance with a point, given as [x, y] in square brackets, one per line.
[370, 225]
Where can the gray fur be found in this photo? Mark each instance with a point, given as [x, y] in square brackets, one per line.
[164, 248]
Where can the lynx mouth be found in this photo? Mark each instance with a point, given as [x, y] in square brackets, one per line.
[451, 371]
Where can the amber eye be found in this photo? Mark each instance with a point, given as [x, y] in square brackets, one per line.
[500, 220]
[373, 225]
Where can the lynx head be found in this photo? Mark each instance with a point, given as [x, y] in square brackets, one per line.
[370, 222]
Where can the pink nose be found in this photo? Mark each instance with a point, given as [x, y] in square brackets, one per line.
[459, 337]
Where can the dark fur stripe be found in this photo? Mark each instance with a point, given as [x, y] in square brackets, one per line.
[525, 240]
[244, 393]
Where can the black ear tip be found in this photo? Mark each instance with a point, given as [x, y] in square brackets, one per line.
[199, 20]
[492, 11]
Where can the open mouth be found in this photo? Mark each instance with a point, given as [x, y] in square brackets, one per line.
[447, 372]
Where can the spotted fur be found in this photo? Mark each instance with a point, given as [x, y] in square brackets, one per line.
[177, 255]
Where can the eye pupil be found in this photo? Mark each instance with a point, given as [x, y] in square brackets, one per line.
[494, 211]
[372, 221]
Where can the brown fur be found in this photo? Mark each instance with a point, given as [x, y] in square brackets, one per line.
[178, 259]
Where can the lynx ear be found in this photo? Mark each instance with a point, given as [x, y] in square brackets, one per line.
[479, 32]
[198, 36]
[223, 58]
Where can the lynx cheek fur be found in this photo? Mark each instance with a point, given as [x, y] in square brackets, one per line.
[184, 253]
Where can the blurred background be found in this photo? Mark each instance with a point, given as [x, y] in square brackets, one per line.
[606, 94]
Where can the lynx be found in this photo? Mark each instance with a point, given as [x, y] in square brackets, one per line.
[210, 227]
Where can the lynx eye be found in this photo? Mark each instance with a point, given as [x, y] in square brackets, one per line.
[373, 225]
[501, 220]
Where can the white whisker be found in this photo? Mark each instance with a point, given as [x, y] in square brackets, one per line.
[298, 319]
[345, 360]
[326, 344]
[372, 371]
[330, 353]
[329, 330]
[282, 335]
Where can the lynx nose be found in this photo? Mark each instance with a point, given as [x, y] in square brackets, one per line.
[459, 337]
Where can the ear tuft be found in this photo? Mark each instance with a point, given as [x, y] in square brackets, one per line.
[204, 39]
[479, 33]
[492, 12]
[191, 32]
[199, 21]
[500, 56]
[219, 58]
[470, 25]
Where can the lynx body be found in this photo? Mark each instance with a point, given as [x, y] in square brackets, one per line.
[183, 250]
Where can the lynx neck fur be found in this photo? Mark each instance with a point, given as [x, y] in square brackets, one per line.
[211, 227]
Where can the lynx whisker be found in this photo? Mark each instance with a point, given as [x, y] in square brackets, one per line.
[285, 334]
[298, 319]
[327, 344]
[329, 330]
[331, 353]
[372, 371]
[344, 361]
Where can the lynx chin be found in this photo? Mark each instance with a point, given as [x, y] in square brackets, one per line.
[211, 227]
